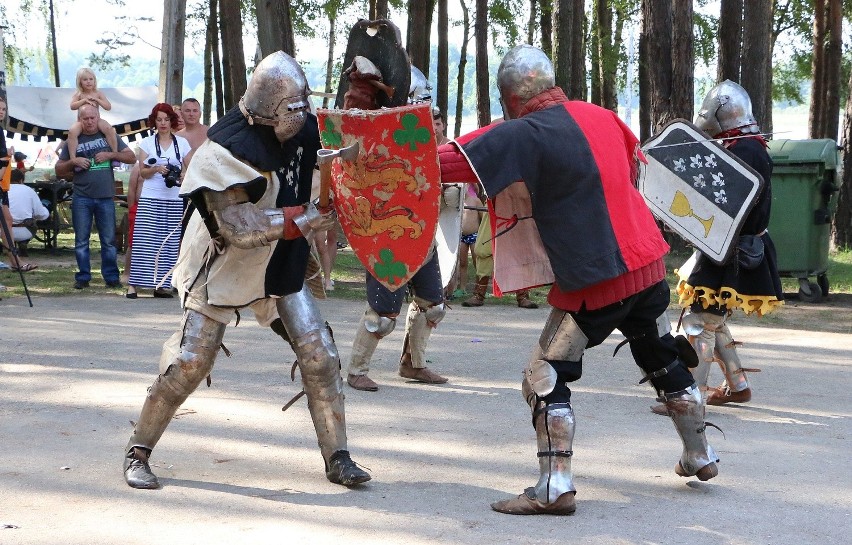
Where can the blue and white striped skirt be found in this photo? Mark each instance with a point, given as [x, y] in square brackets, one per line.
[156, 242]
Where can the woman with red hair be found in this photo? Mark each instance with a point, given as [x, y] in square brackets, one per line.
[157, 230]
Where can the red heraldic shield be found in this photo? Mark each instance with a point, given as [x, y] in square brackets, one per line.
[387, 200]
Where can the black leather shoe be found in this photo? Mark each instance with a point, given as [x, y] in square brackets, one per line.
[137, 472]
[342, 470]
[78, 285]
[115, 284]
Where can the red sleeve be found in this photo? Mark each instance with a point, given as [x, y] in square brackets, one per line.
[455, 167]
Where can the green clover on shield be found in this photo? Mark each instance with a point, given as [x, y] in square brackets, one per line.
[388, 269]
[330, 137]
[411, 134]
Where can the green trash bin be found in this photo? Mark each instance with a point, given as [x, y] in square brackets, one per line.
[805, 180]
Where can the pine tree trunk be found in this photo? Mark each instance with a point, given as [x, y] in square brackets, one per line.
[207, 98]
[274, 27]
[443, 69]
[419, 33]
[683, 61]
[730, 40]
[658, 37]
[816, 116]
[546, 24]
[757, 57]
[218, 79]
[531, 21]
[833, 58]
[644, 79]
[171, 54]
[483, 87]
[842, 232]
[569, 56]
[462, 67]
[233, 56]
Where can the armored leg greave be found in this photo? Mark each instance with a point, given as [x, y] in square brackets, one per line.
[554, 428]
[730, 360]
[701, 328]
[417, 332]
[201, 340]
[184, 369]
[363, 347]
[319, 366]
[687, 412]
[554, 492]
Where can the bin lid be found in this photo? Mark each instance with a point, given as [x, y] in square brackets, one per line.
[789, 152]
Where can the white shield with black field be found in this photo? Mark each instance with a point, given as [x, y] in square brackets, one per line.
[698, 188]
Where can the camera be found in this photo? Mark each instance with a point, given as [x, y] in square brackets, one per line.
[172, 176]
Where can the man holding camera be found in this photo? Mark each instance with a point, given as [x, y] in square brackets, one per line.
[94, 190]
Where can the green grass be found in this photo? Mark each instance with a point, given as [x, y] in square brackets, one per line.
[55, 275]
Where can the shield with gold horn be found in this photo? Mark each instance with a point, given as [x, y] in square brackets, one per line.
[386, 198]
[698, 188]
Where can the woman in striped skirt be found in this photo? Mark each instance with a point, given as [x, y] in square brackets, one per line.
[157, 232]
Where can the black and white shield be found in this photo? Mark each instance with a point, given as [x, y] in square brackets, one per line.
[698, 188]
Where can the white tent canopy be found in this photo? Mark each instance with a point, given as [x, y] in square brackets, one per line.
[45, 112]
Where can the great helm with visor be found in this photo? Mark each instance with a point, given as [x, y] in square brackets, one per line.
[277, 96]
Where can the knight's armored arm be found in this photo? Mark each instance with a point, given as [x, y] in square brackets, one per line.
[246, 226]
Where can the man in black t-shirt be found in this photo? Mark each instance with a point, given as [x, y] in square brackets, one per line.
[94, 189]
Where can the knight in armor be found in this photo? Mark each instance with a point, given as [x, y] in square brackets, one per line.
[578, 162]
[427, 307]
[247, 246]
[750, 283]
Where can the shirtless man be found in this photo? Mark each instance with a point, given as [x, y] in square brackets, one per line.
[471, 218]
[193, 130]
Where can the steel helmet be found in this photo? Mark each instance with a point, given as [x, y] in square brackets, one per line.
[420, 89]
[277, 95]
[524, 72]
[727, 106]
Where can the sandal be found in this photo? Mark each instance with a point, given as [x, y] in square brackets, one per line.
[26, 267]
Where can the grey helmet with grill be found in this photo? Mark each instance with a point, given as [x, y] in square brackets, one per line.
[524, 73]
[277, 95]
[420, 89]
[727, 106]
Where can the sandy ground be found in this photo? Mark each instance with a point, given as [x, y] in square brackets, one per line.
[235, 469]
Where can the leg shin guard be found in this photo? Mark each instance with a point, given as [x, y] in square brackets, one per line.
[417, 333]
[554, 428]
[687, 412]
[363, 347]
[202, 338]
[319, 366]
[731, 366]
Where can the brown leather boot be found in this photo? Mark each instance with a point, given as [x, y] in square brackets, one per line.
[478, 297]
[527, 504]
[420, 374]
[524, 300]
[723, 395]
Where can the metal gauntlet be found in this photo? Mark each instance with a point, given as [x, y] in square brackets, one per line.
[312, 220]
[247, 226]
